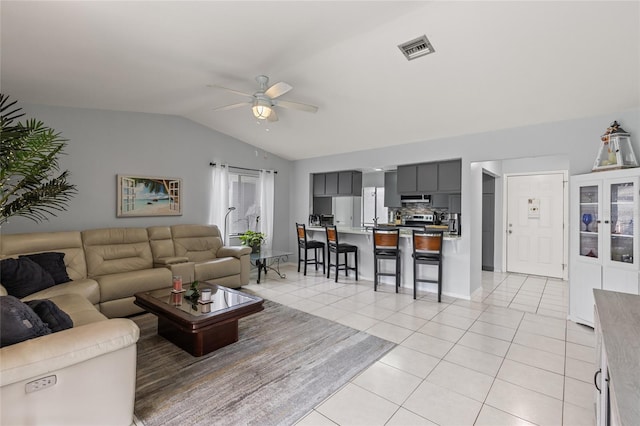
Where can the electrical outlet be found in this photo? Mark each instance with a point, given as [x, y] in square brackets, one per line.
[40, 384]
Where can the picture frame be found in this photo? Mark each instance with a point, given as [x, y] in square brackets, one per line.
[140, 196]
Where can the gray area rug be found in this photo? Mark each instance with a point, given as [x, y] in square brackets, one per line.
[285, 363]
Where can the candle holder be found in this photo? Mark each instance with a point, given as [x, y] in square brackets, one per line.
[205, 296]
[177, 284]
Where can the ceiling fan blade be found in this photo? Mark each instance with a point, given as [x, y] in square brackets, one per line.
[278, 89]
[273, 116]
[237, 92]
[297, 105]
[232, 106]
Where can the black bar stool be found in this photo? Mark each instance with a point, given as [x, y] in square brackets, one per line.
[386, 247]
[427, 250]
[333, 246]
[305, 245]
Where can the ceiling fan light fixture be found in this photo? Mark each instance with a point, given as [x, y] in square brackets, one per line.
[261, 109]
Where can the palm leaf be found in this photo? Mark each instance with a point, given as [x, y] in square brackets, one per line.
[28, 164]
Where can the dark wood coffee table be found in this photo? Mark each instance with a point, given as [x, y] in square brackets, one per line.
[195, 327]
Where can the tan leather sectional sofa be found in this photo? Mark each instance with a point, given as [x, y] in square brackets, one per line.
[94, 362]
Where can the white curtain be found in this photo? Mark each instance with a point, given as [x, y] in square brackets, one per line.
[266, 189]
[219, 203]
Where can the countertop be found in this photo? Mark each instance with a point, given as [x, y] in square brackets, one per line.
[405, 232]
[619, 315]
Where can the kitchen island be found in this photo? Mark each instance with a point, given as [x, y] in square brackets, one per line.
[454, 283]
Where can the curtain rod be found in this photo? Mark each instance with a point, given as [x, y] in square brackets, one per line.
[245, 168]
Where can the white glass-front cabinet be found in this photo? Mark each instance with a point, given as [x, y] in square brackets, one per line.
[604, 238]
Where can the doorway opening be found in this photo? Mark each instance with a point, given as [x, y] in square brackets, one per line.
[536, 213]
[488, 220]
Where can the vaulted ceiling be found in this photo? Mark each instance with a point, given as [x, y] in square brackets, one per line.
[496, 64]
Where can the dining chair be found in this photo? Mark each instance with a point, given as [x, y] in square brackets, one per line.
[427, 250]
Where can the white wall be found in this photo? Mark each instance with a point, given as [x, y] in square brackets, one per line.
[573, 143]
[103, 144]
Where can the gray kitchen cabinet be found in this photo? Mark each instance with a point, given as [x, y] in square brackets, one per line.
[407, 179]
[318, 184]
[427, 176]
[357, 184]
[430, 178]
[450, 176]
[331, 183]
[347, 183]
[455, 203]
[391, 195]
[350, 183]
[440, 201]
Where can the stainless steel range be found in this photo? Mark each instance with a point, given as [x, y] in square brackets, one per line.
[420, 220]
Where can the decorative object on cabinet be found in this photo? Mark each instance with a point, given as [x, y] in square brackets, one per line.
[604, 239]
[149, 196]
[616, 151]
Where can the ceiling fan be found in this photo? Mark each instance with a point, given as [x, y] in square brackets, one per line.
[264, 100]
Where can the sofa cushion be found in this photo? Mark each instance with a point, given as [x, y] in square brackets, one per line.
[54, 317]
[116, 250]
[196, 242]
[217, 268]
[53, 263]
[18, 322]
[86, 288]
[23, 276]
[67, 242]
[79, 309]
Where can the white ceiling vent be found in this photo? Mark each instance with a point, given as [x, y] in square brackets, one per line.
[416, 48]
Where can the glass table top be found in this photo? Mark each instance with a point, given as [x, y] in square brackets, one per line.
[222, 299]
[269, 254]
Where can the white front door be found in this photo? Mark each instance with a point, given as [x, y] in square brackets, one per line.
[535, 233]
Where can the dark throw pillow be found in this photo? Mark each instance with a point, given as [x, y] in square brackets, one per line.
[53, 263]
[54, 317]
[22, 277]
[18, 322]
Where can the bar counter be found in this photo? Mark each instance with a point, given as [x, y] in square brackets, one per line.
[453, 281]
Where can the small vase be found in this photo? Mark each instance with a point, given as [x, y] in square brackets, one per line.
[255, 248]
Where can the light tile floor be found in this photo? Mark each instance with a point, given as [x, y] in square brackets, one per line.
[508, 356]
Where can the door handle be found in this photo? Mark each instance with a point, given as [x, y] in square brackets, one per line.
[595, 379]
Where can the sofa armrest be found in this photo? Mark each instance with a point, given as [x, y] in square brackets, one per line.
[35, 357]
[185, 269]
[164, 261]
[233, 251]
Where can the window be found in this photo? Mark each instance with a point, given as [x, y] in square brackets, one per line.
[243, 195]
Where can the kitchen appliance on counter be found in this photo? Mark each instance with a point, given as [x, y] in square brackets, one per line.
[326, 219]
[420, 220]
[314, 220]
[454, 223]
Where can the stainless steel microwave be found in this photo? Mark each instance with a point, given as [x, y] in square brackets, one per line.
[420, 198]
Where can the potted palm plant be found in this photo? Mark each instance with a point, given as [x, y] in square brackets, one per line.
[30, 183]
[252, 239]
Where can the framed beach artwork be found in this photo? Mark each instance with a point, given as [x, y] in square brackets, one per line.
[149, 196]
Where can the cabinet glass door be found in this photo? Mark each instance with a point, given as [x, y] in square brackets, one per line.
[589, 198]
[622, 205]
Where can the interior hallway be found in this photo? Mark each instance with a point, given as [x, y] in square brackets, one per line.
[508, 356]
